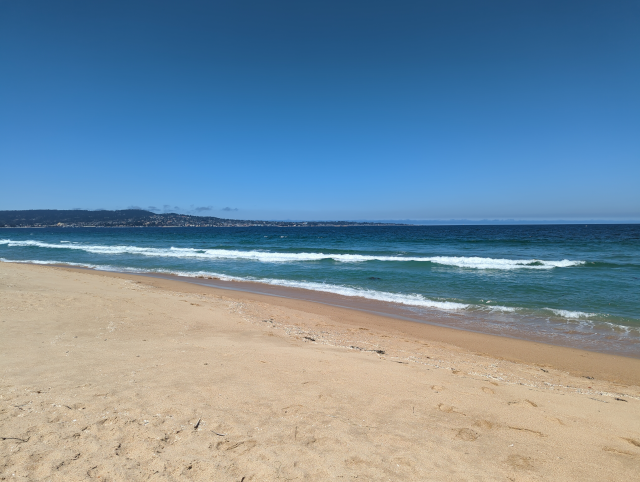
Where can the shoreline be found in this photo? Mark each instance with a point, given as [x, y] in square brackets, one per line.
[576, 361]
[538, 294]
[117, 376]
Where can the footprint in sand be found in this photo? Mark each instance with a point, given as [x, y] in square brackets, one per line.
[467, 435]
[243, 446]
[437, 388]
[520, 462]
[355, 462]
[483, 424]
[292, 409]
[488, 391]
[445, 408]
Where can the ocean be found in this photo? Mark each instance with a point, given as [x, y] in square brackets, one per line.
[570, 285]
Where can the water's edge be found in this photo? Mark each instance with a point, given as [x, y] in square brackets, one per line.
[375, 307]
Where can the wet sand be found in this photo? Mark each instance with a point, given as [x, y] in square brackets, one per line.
[383, 316]
[125, 377]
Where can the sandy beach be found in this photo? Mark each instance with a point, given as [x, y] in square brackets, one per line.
[122, 377]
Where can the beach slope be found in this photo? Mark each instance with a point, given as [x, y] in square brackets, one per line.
[119, 378]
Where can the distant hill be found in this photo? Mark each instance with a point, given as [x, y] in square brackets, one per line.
[52, 217]
[140, 218]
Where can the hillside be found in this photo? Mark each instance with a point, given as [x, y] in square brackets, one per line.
[139, 218]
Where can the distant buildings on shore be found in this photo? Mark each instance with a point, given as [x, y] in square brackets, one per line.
[139, 218]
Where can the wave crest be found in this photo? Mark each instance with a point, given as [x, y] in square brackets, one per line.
[410, 299]
[472, 262]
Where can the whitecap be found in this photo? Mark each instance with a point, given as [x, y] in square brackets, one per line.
[472, 262]
[572, 315]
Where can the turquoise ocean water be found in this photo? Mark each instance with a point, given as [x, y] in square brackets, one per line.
[576, 285]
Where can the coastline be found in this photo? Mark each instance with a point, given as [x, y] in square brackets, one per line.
[126, 377]
[358, 313]
[531, 290]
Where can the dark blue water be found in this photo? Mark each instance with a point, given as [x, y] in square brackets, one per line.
[570, 284]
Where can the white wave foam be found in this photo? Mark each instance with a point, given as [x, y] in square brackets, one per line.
[572, 315]
[404, 299]
[101, 267]
[498, 263]
[408, 299]
[589, 320]
[473, 262]
[502, 309]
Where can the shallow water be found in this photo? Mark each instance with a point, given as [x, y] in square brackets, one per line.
[574, 285]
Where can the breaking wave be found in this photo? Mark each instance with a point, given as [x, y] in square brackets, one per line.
[473, 262]
[404, 299]
[572, 315]
[411, 299]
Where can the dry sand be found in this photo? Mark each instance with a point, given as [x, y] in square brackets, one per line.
[118, 377]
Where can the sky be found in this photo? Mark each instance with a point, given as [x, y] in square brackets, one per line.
[323, 109]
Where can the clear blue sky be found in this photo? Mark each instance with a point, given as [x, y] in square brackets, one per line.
[323, 109]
